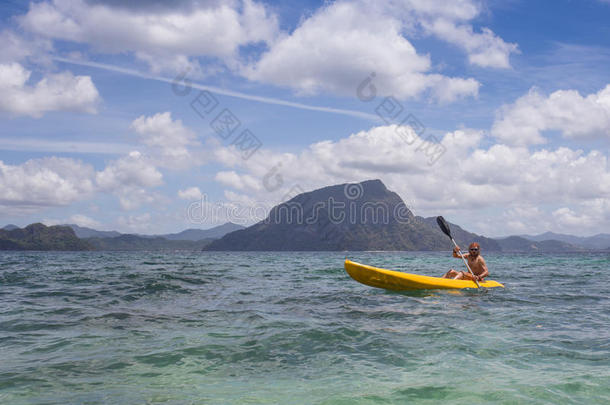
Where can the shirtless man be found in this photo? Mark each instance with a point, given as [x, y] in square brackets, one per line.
[475, 261]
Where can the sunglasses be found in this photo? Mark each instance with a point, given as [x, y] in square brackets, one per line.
[474, 249]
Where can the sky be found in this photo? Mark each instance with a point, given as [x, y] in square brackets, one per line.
[157, 116]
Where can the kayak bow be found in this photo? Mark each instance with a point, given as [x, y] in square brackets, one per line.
[396, 280]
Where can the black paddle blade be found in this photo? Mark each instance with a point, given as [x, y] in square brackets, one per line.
[443, 225]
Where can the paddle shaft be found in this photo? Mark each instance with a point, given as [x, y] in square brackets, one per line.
[466, 263]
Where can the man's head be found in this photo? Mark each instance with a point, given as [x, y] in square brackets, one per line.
[474, 249]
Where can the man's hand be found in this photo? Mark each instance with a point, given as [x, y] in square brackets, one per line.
[456, 250]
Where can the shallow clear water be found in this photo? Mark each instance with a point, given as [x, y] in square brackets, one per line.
[293, 328]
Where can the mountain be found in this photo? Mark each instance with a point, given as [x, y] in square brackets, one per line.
[42, 237]
[463, 238]
[599, 241]
[129, 242]
[199, 234]
[519, 244]
[362, 216]
[189, 234]
[62, 237]
[84, 232]
[10, 227]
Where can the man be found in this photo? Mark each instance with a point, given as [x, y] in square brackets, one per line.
[475, 261]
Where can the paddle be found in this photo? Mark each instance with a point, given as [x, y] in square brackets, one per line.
[445, 228]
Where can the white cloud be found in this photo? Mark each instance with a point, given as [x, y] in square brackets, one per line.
[522, 218]
[565, 216]
[160, 63]
[54, 92]
[331, 51]
[136, 223]
[78, 219]
[191, 193]
[341, 44]
[53, 181]
[449, 21]
[242, 200]
[130, 171]
[566, 111]
[239, 182]
[484, 49]
[16, 48]
[212, 29]
[83, 220]
[45, 182]
[467, 181]
[130, 177]
[587, 216]
[170, 139]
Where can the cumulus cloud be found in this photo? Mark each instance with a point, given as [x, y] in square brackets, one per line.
[341, 44]
[239, 182]
[450, 23]
[130, 177]
[45, 182]
[330, 51]
[83, 220]
[170, 139]
[467, 181]
[130, 171]
[212, 29]
[54, 92]
[136, 223]
[191, 193]
[566, 111]
[587, 216]
[16, 48]
[484, 49]
[50, 182]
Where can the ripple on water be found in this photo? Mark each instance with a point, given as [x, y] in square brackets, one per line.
[283, 327]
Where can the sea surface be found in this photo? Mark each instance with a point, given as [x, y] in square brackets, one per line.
[293, 328]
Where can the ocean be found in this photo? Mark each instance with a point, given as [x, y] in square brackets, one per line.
[294, 328]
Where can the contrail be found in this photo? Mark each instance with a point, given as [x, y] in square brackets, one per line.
[45, 145]
[225, 92]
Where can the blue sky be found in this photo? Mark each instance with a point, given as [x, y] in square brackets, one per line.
[515, 94]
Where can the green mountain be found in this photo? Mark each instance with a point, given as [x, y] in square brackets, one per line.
[199, 234]
[41, 237]
[362, 216]
[188, 234]
[84, 232]
[519, 244]
[599, 241]
[136, 242]
[74, 237]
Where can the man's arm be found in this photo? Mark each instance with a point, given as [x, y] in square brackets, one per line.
[485, 270]
[457, 255]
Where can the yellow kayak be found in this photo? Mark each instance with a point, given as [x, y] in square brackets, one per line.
[396, 280]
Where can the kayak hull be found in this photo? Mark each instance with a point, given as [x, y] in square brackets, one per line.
[399, 281]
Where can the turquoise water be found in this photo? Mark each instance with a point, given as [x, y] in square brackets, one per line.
[293, 328]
